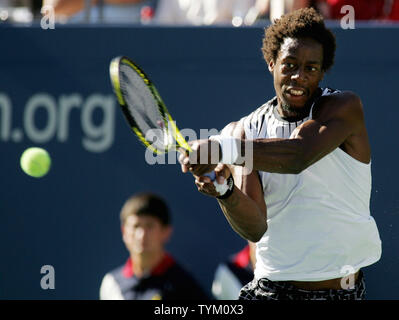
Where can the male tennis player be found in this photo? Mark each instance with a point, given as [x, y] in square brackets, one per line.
[311, 166]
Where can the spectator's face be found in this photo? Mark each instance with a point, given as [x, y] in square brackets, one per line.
[145, 234]
[297, 73]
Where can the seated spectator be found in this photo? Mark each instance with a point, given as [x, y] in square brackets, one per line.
[232, 274]
[364, 10]
[106, 11]
[381, 10]
[201, 12]
[150, 273]
[5, 4]
[392, 10]
[279, 7]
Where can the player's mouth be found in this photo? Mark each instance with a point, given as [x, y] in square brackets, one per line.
[296, 94]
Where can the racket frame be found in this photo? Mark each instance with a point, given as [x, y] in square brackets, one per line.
[170, 124]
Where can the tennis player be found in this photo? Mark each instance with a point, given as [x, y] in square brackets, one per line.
[311, 166]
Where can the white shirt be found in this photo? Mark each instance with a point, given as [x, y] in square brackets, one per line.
[319, 222]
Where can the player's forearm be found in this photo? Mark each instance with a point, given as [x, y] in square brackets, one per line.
[244, 215]
[274, 155]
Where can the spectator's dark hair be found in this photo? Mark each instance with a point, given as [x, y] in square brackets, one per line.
[301, 23]
[146, 204]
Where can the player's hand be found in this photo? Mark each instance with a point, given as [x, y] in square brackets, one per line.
[206, 186]
[203, 158]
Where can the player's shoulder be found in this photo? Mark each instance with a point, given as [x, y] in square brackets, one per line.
[340, 95]
[234, 129]
[228, 129]
[340, 103]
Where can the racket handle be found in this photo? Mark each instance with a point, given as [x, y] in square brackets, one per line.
[221, 188]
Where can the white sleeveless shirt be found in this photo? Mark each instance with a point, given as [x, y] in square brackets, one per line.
[319, 223]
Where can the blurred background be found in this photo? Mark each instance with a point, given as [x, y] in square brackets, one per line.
[204, 56]
[187, 12]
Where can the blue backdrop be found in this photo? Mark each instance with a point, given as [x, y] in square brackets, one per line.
[55, 93]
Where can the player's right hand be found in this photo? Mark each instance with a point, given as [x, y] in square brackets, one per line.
[202, 159]
[206, 186]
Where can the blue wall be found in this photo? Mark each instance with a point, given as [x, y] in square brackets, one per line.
[55, 93]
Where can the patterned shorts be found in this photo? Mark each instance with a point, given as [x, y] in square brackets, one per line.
[264, 289]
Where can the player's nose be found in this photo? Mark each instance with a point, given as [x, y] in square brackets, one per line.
[299, 76]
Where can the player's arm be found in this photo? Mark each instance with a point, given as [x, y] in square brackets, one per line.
[245, 208]
[337, 120]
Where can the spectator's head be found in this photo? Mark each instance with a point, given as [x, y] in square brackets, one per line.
[302, 23]
[146, 224]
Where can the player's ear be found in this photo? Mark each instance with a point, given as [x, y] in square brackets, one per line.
[270, 66]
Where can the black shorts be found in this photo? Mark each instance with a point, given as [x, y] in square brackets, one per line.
[264, 289]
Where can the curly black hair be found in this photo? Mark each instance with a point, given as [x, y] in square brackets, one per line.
[301, 23]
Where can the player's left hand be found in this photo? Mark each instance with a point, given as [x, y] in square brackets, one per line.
[203, 158]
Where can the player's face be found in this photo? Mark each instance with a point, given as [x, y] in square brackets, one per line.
[145, 234]
[297, 72]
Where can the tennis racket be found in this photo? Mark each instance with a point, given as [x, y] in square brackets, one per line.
[146, 112]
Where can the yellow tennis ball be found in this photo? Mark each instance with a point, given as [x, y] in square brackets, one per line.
[35, 162]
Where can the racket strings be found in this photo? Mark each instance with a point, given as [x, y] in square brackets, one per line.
[144, 108]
